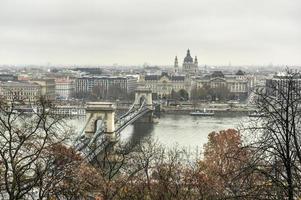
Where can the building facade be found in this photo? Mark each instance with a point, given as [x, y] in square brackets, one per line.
[64, 88]
[282, 85]
[238, 85]
[8, 77]
[70, 110]
[47, 87]
[163, 85]
[20, 91]
[86, 84]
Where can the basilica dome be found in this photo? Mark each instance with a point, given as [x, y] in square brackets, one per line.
[188, 58]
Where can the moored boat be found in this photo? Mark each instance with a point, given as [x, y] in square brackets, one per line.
[202, 113]
[256, 114]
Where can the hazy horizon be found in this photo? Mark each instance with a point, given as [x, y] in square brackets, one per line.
[81, 32]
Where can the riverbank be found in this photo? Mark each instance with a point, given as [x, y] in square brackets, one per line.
[217, 111]
[77, 109]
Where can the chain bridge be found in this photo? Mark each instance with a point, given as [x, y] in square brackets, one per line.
[103, 127]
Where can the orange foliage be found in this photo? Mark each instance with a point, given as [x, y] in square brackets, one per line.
[223, 151]
[224, 158]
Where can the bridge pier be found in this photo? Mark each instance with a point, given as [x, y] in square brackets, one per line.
[147, 118]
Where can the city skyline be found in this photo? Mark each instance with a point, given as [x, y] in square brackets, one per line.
[134, 32]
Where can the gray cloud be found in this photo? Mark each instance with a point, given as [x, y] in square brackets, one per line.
[153, 31]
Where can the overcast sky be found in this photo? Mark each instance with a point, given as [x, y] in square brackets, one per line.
[129, 32]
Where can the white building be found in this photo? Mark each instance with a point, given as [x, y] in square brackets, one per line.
[47, 87]
[64, 88]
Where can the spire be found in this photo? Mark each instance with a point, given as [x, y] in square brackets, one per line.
[176, 64]
[188, 52]
[195, 60]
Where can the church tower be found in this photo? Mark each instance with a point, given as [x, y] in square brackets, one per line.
[190, 67]
[176, 66]
[196, 64]
[196, 61]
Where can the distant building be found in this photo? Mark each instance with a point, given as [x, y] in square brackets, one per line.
[86, 84]
[17, 90]
[47, 87]
[239, 85]
[69, 110]
[8, 77]
[132, 83]
[64, 88]
[190, 65]
[90, 70]
[28, 90]
[24, 77]
[152, 70]
[163, 85]
[279, 86]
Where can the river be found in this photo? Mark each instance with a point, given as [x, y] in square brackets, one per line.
[180, 130]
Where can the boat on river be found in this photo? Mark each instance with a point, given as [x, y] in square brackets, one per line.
[202, 113]
[256, 114]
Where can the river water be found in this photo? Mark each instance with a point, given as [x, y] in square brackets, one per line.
[179, 130]
[182, 130]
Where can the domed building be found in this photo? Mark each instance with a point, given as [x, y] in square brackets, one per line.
[190, 65]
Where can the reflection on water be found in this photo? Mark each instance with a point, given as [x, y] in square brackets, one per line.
[138, 132]
[181, 130]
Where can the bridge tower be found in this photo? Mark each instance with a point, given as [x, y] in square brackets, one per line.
[143, 94]
[100, 112]
[100, 119]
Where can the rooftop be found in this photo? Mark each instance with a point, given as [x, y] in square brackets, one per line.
[158, 77]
